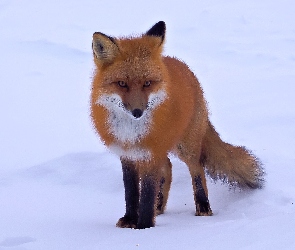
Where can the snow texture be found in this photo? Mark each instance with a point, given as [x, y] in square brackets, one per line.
[61, 189]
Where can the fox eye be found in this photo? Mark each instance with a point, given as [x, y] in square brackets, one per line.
[147, 83]
[122, 84]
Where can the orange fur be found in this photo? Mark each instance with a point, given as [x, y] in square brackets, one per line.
[134, 70]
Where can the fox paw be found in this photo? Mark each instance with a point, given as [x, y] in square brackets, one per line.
[203, 209]
[209, 213]
[159, 211]
[126, 222]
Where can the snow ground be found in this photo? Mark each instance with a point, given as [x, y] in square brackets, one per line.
[59, 187]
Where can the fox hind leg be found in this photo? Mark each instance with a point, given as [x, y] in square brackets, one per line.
[200, 189]
[164, 187]
[201, 196]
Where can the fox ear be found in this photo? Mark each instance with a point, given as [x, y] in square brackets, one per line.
[104, 48]
[158, 30]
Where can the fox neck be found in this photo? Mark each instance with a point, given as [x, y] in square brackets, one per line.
[127, 129]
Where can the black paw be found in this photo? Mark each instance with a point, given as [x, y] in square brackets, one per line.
[126, 222]
[203, 209]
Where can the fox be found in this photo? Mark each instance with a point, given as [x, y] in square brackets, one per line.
[146, 106]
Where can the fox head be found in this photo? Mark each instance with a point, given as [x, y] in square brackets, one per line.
[130, 74]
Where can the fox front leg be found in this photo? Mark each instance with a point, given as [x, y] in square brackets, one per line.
[131, 184]
[155, 186]
[146, 209]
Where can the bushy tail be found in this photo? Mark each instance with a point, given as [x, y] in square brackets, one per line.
[232, 164]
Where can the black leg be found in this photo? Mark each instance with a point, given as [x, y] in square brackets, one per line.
[131, 183]
[202, 202]
[163, 186]
[147, 203]
[160, 197]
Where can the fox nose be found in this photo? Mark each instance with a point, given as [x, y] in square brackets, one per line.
[137, 113]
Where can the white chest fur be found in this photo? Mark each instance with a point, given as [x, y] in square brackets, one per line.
[122, 124]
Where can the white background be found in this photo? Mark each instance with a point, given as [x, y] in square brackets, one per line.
[60, 188]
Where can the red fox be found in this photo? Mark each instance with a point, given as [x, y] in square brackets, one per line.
[144, 106]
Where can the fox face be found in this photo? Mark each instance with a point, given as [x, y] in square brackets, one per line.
[130, 83]
[129, 126]
[135, 98]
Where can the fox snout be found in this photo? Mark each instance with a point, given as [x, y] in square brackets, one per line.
[137, 113]
[135, 103]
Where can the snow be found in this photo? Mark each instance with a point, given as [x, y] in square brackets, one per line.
[61, 189]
